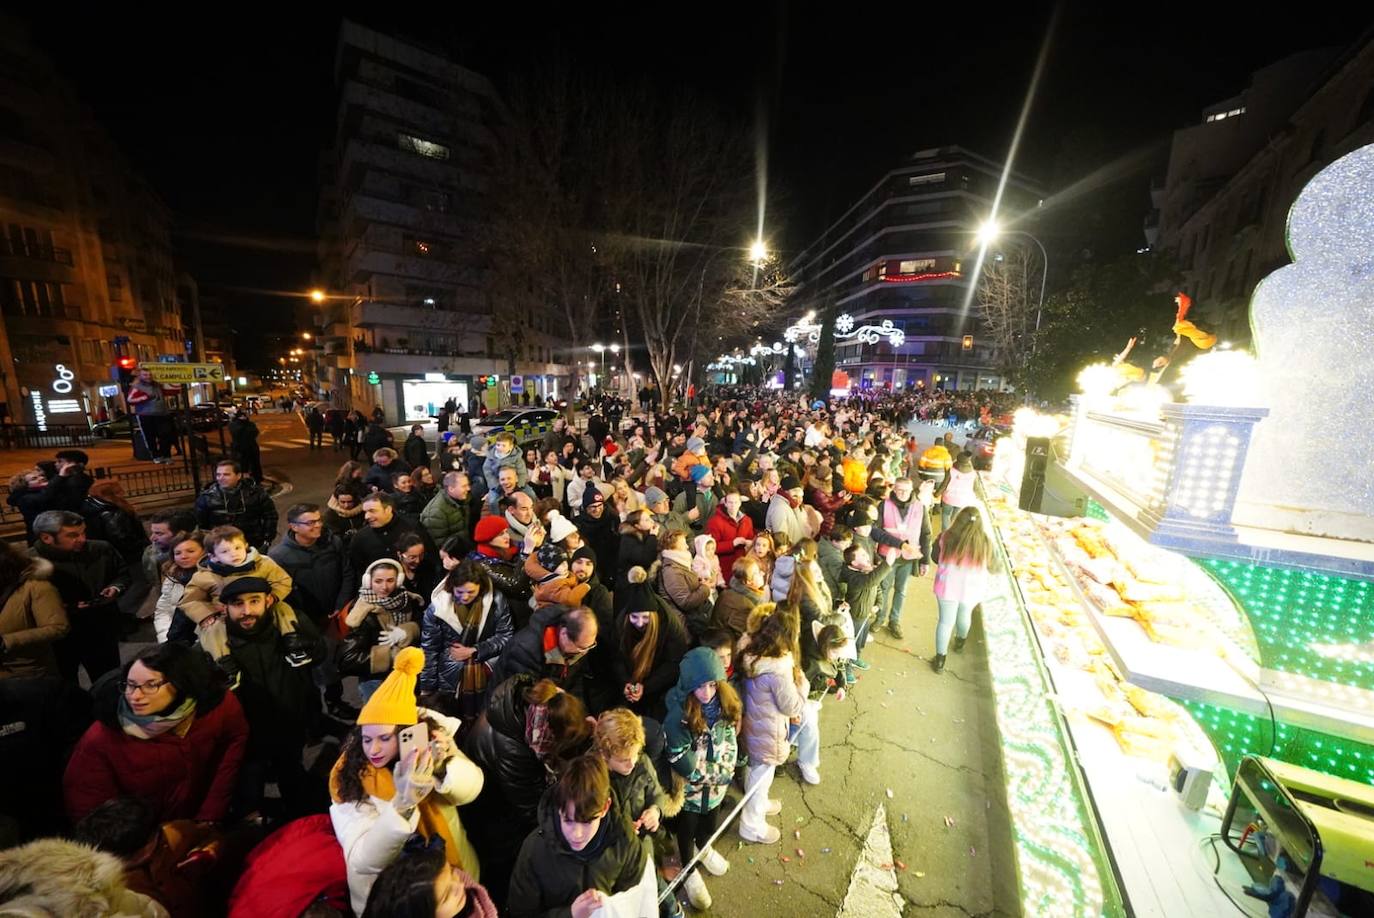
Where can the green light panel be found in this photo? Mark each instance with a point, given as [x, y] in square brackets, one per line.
[1095, 511]
[1291, 610]
[1236, 735]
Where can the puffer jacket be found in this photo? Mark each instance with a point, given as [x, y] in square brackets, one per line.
[508, 575]
[489, 635]
[443, 517]
[783, 569]
[117, 526]
[771, 698]
[53, 876]
[31, 620]
[549, 875]
[725, 530]
[322, 575]
[248, 507]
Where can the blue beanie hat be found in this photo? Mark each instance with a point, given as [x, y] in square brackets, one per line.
[699, 666]
[699, 472]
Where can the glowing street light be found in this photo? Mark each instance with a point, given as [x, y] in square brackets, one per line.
[305, 335]
[758, 252]
[987, 233]
[317, 296]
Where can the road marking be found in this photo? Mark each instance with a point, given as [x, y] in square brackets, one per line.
[873, 886]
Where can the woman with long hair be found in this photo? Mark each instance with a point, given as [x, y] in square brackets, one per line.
[425, 485]
[421, 883]
[765, 553]
[774, 701]
[111, 518]
[350, 476]
[167, 732]
[650, 642]
[379, 798]
[965, 559]
[810, 595]
[169, 623]
[465, 628]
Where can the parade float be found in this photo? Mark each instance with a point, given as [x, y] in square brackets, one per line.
[1183, 654]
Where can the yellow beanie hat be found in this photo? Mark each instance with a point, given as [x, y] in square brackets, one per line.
[394, 700]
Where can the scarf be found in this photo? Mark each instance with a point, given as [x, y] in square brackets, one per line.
[537, 732]
[491, 551]
[393, 603]
[793, 502]
[678, 555]
[341, 512]
[379, 783]
[148, 726]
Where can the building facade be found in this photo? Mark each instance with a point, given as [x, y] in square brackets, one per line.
[1227, 227]
[86, 272]
[407, 321]
[905, 253]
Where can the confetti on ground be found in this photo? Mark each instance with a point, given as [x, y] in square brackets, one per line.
[883, 704]
[904, 817]
[973, 852]
[949, 822]
[801, 819]
[900, 865]
[777, 882]
[885, 866]
[889, 793]
[751, 860]
[796, 833]
[920, 874]
[825, 851]
[958, 720]
[786, 859]
[801, 853]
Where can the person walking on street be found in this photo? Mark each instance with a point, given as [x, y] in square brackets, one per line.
[334, 422]
[314, 421]
[966, 561]
[416, 451]
[904, 517]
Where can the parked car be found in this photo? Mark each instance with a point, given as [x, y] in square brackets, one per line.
[527, 424]
[204, 418]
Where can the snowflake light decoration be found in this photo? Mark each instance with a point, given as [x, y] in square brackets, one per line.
[844, 324]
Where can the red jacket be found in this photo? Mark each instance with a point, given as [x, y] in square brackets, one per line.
[180, 777]
[828, 505]
[725, 530]
[291, 868]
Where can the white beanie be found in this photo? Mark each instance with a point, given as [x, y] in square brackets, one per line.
[559, 528]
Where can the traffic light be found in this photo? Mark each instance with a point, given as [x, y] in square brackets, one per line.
[124, 371]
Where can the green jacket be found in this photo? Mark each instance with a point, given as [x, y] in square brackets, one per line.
[706, 503]
[443, 518]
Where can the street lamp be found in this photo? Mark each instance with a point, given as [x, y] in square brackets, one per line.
[989, 232]
[317, 296]
[305, 335]
[758, 252]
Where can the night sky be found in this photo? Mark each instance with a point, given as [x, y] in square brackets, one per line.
[226, 118]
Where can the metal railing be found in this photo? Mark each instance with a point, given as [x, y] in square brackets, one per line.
[55, 436]
[144, 483]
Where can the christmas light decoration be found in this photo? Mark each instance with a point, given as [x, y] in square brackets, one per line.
[913, 278]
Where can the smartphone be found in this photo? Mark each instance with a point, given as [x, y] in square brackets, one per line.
[415, 737]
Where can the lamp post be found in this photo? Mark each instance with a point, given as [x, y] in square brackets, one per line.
[601, 349]
[987, 235]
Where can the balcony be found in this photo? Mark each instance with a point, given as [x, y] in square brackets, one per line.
[373, 313]
[363, 263]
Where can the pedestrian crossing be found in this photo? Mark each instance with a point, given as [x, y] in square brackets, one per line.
[286, 444]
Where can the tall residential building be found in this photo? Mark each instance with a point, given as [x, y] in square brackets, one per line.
[904, 252]
[1229, 231]
[85, 251]
[409, 322]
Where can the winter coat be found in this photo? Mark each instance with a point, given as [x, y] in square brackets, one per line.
[725, 530]
[516, 777]
[489, 634]
[372, 833]
[783, 518]
[379, 476]
[672, 644]
[168, 603]
[202, 592]
[831, 560]
[640, 789]
[321, 576]
[361, 654]
[548, 875]
[41, 720]
[53, 876]
[603, 538]
[734, 605]
[279, 699]
[290, 869]
[706, 760]
[119, 527]
[705, 504]
[65, 492]
[343, 523]
[634, 552]
[375, 437]
[784, 566]
[706, 566]
[79, 576]
[683, 590]
[508, 575]
[526, 654]
[410, 503]
[493, 464]
[827, 505]
[248, 507]
[179, 777]
[771, 698]
[32, 618]
[443, 518]
[372, 544]
[416, 452]
[860, 590]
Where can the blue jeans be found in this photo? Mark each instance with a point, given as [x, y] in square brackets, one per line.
[895, 600]
[366, 687]
[952, 611]
[947, 514]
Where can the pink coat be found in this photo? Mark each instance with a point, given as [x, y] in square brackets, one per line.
[771, 698]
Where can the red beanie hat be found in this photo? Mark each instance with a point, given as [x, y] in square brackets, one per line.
[488, 528]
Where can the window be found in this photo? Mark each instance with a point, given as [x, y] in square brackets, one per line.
[930, 178]
[116, 285]
[31, 298]
[915, 265]
[412, 144]
[439, 202]
[882, 269]
[92, 350]
[925, 207]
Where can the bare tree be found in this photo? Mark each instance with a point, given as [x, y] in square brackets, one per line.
[1007, 305]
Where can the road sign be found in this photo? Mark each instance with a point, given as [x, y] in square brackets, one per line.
[185, 373]
[517, 384]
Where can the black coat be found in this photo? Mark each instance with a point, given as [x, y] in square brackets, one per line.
[672, 644]
[243, 437]
[508, 576]
[634, 552]
[279, 700]
[603, 538]
[248, 507]
[379, 476]
[549, 875]
[322, 575]
[117, 526]
[375, 437]
[416, 452]
[371, 544]
[80, 575]
[525, 654]
[64, 492]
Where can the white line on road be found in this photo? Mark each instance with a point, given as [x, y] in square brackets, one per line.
[873, 886]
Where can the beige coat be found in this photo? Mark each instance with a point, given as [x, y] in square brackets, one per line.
[772, 697]
[32, 619]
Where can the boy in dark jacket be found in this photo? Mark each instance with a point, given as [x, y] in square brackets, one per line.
[584, 853]
[860, 582]
[416, 451]
[619, 740]
[278, 694]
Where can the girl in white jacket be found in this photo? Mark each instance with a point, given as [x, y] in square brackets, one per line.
[379, 799]
[176, 573]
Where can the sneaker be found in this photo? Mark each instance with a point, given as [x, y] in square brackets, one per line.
[895, 630]
[938, 664]
[810, 773]
[714, 862]
[959, 643]
[849, 677]
[697, 894]
[770, 836]
[774, 808]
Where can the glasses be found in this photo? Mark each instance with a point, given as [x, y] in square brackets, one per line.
[315, 522]
[143, 688]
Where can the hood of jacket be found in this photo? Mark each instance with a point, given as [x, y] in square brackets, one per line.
[59, 877]
[345, 514]
[38, 569]
[699, 666]
[679, 556]
[699, 544]
[759, 666]
[250, 561]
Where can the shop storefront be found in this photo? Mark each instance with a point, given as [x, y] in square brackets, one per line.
[422, 398]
